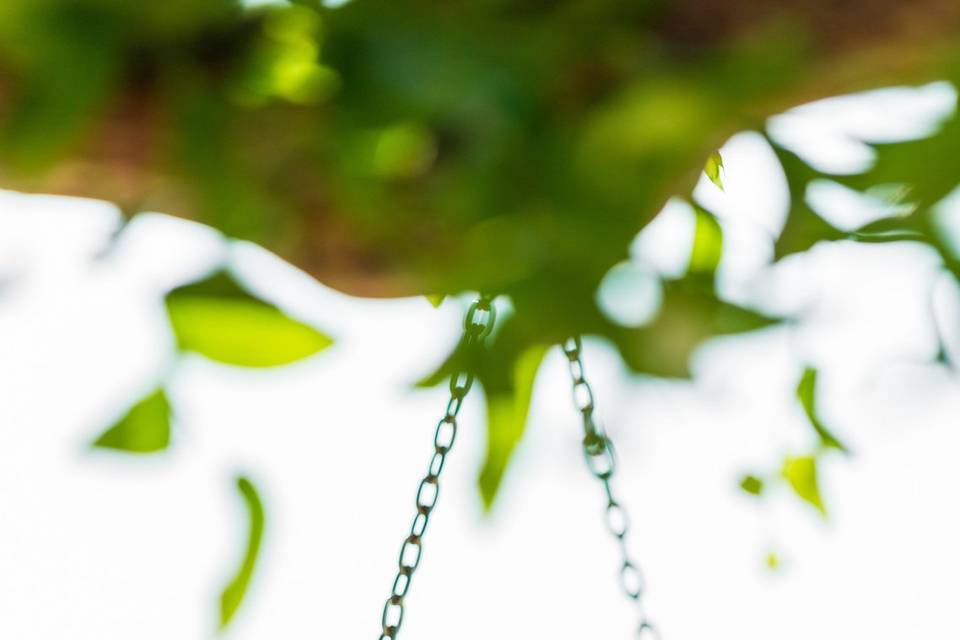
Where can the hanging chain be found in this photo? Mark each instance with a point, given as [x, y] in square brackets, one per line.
[601, 460]
[476, 326]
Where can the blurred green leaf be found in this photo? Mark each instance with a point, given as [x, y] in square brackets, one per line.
[144, 429]
[222, 322]
[910, 177]
[690, 313]
[752, 485]
[242, 332]
[804, 227]
[801, 473]
[707, 243]
[435, 299]
[236, 589]
[926, 168]
[229, 190]
[506, 368]
[506, 421]
[714, 169]
[806, 393]
[71, 80]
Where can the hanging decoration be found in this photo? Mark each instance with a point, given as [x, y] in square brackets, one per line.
[598, 452]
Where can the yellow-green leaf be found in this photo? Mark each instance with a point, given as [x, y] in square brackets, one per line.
[714, 169]
[707, 243]
[241, 331]
[806, 393]
[436, 299]
[506, 421]
[144, 429]
[236, 589]
[752, 485]
[801, 473]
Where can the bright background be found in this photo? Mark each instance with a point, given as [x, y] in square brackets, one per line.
[104, 545]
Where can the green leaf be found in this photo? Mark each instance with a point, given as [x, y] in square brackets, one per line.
[236, 589]
[71, 80]
[707, 243]
[506, 370]
[910, 177]
[752, 485]
[435, 299]
[806, 393]
[925, 167]
[801, 473]
[242, 332]
[220, 321]
[506, 421]
[144, 429]
[689, 314]
[714, 169]
[804, 227]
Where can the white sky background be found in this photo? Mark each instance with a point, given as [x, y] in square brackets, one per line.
[103, 545]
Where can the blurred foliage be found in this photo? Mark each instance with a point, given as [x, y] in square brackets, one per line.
[913, 177]
[221, 321]
[410, 147]
[801, 473]
[236, 589]
[507, 409]
[414, 147]
[752, 485]
[144, 429]
[707, 244]
[714, 169]
[806, 391]
[804, 226]
[435, 299]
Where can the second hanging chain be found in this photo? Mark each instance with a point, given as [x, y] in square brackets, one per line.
[601, 460]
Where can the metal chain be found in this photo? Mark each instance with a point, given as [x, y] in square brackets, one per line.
[477, 325]
[601, 460]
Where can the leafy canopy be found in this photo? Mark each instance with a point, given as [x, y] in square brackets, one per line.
[421, 147]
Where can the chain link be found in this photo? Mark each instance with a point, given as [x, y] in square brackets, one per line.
[602, 462]
[477, 325]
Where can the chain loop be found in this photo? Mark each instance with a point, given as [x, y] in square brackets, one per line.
[602, 462]
[477, 325]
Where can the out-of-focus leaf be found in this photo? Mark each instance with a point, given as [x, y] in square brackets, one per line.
[465, 357]
[435, 299]
[801, 473]
[506, 421]
[927, 167]
[284, 64]
[224, 323]
[144, 429]
[71, 82]
[714, 169]
[506, 369]
[242, 332]
[236, 589]
[690, 313]
[229, 193]
[752, 485]
[707, 243]
[806, 393]
[911, 176]
[804, 227]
